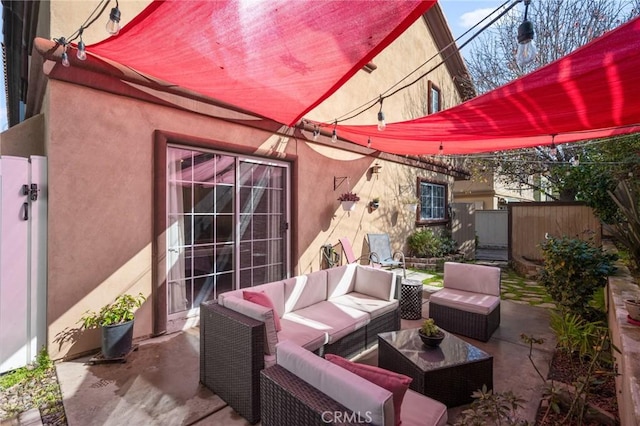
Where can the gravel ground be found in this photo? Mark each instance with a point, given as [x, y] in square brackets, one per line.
[25, 396]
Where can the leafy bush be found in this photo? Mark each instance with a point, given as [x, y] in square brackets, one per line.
[573, 270]
[426, 243]
[489, 408]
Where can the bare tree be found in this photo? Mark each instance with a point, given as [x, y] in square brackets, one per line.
[561, 26]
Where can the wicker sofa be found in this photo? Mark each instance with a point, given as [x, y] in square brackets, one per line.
[469, 303]
[339, 310]
[303, 389]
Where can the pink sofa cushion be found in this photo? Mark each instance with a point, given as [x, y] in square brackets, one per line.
[305, 290]
[396, 383]
[340, 280]
[262, 299]
[477, 303]
[473, 278]
[335, 320]
[376, 283]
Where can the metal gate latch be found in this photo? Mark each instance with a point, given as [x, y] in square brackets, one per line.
[31, 191]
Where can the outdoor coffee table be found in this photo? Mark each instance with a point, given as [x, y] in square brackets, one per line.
[449, 373]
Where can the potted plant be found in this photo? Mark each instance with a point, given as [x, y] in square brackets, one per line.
[116, 323]
[430, 333]
[633, 308]
[375, 203]
[348, 200]
[411, 203]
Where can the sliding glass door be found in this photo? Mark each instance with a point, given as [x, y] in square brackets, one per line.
[227, 221]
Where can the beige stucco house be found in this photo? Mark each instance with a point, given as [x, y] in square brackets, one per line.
[179, 198]
[487, 192]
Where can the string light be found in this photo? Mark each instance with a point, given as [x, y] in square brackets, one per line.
[441, 149]
[316, 133]
[82, 51]
[334, 134]
[65, 59]
[112, 27]
[369, 142]
[382, 124]
[113, 24]
[527, 51]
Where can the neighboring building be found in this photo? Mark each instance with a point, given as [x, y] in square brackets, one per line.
[486, 192]
[180, 199]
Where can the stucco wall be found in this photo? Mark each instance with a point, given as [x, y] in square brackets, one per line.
[101, 205]
[410, 50]
[24, 139]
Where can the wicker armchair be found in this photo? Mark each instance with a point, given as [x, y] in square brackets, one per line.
[469, 303]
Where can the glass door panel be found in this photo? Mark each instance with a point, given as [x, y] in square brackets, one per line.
[227, 221]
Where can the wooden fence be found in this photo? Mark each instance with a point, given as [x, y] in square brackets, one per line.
[530, 222]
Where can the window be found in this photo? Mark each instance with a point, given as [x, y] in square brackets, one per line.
[435, 98]
[433, 202]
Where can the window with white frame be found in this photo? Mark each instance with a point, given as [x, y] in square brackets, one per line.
[434, 98]
[433, 201]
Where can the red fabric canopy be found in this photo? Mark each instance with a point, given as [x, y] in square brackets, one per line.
[276, 58]
[593, 92]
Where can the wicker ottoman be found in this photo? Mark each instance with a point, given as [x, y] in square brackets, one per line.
[449, 373]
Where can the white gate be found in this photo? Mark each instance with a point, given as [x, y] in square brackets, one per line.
[492, 228]
[23, 272]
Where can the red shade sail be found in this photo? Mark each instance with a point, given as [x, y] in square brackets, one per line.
[593, 92]
[276, 58]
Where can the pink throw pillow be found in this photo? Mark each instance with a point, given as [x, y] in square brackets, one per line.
[262, 299]
[396, 383]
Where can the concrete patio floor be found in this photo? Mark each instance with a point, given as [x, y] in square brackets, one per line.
[159, 383]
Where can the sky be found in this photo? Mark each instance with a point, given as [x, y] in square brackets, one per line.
[463, 14]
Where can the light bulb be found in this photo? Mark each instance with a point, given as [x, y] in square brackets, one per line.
[113, 25]
[65, 59]
[381, 123]
[316, 134]
[82, 52]
[553, 150]
[334, 136]
[526, 53]
[369, 143]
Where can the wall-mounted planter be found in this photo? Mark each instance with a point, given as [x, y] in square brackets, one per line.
[348, 206]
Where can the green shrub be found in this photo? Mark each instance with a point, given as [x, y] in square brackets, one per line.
[576, 335]
[426, 243]
[573, 270]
